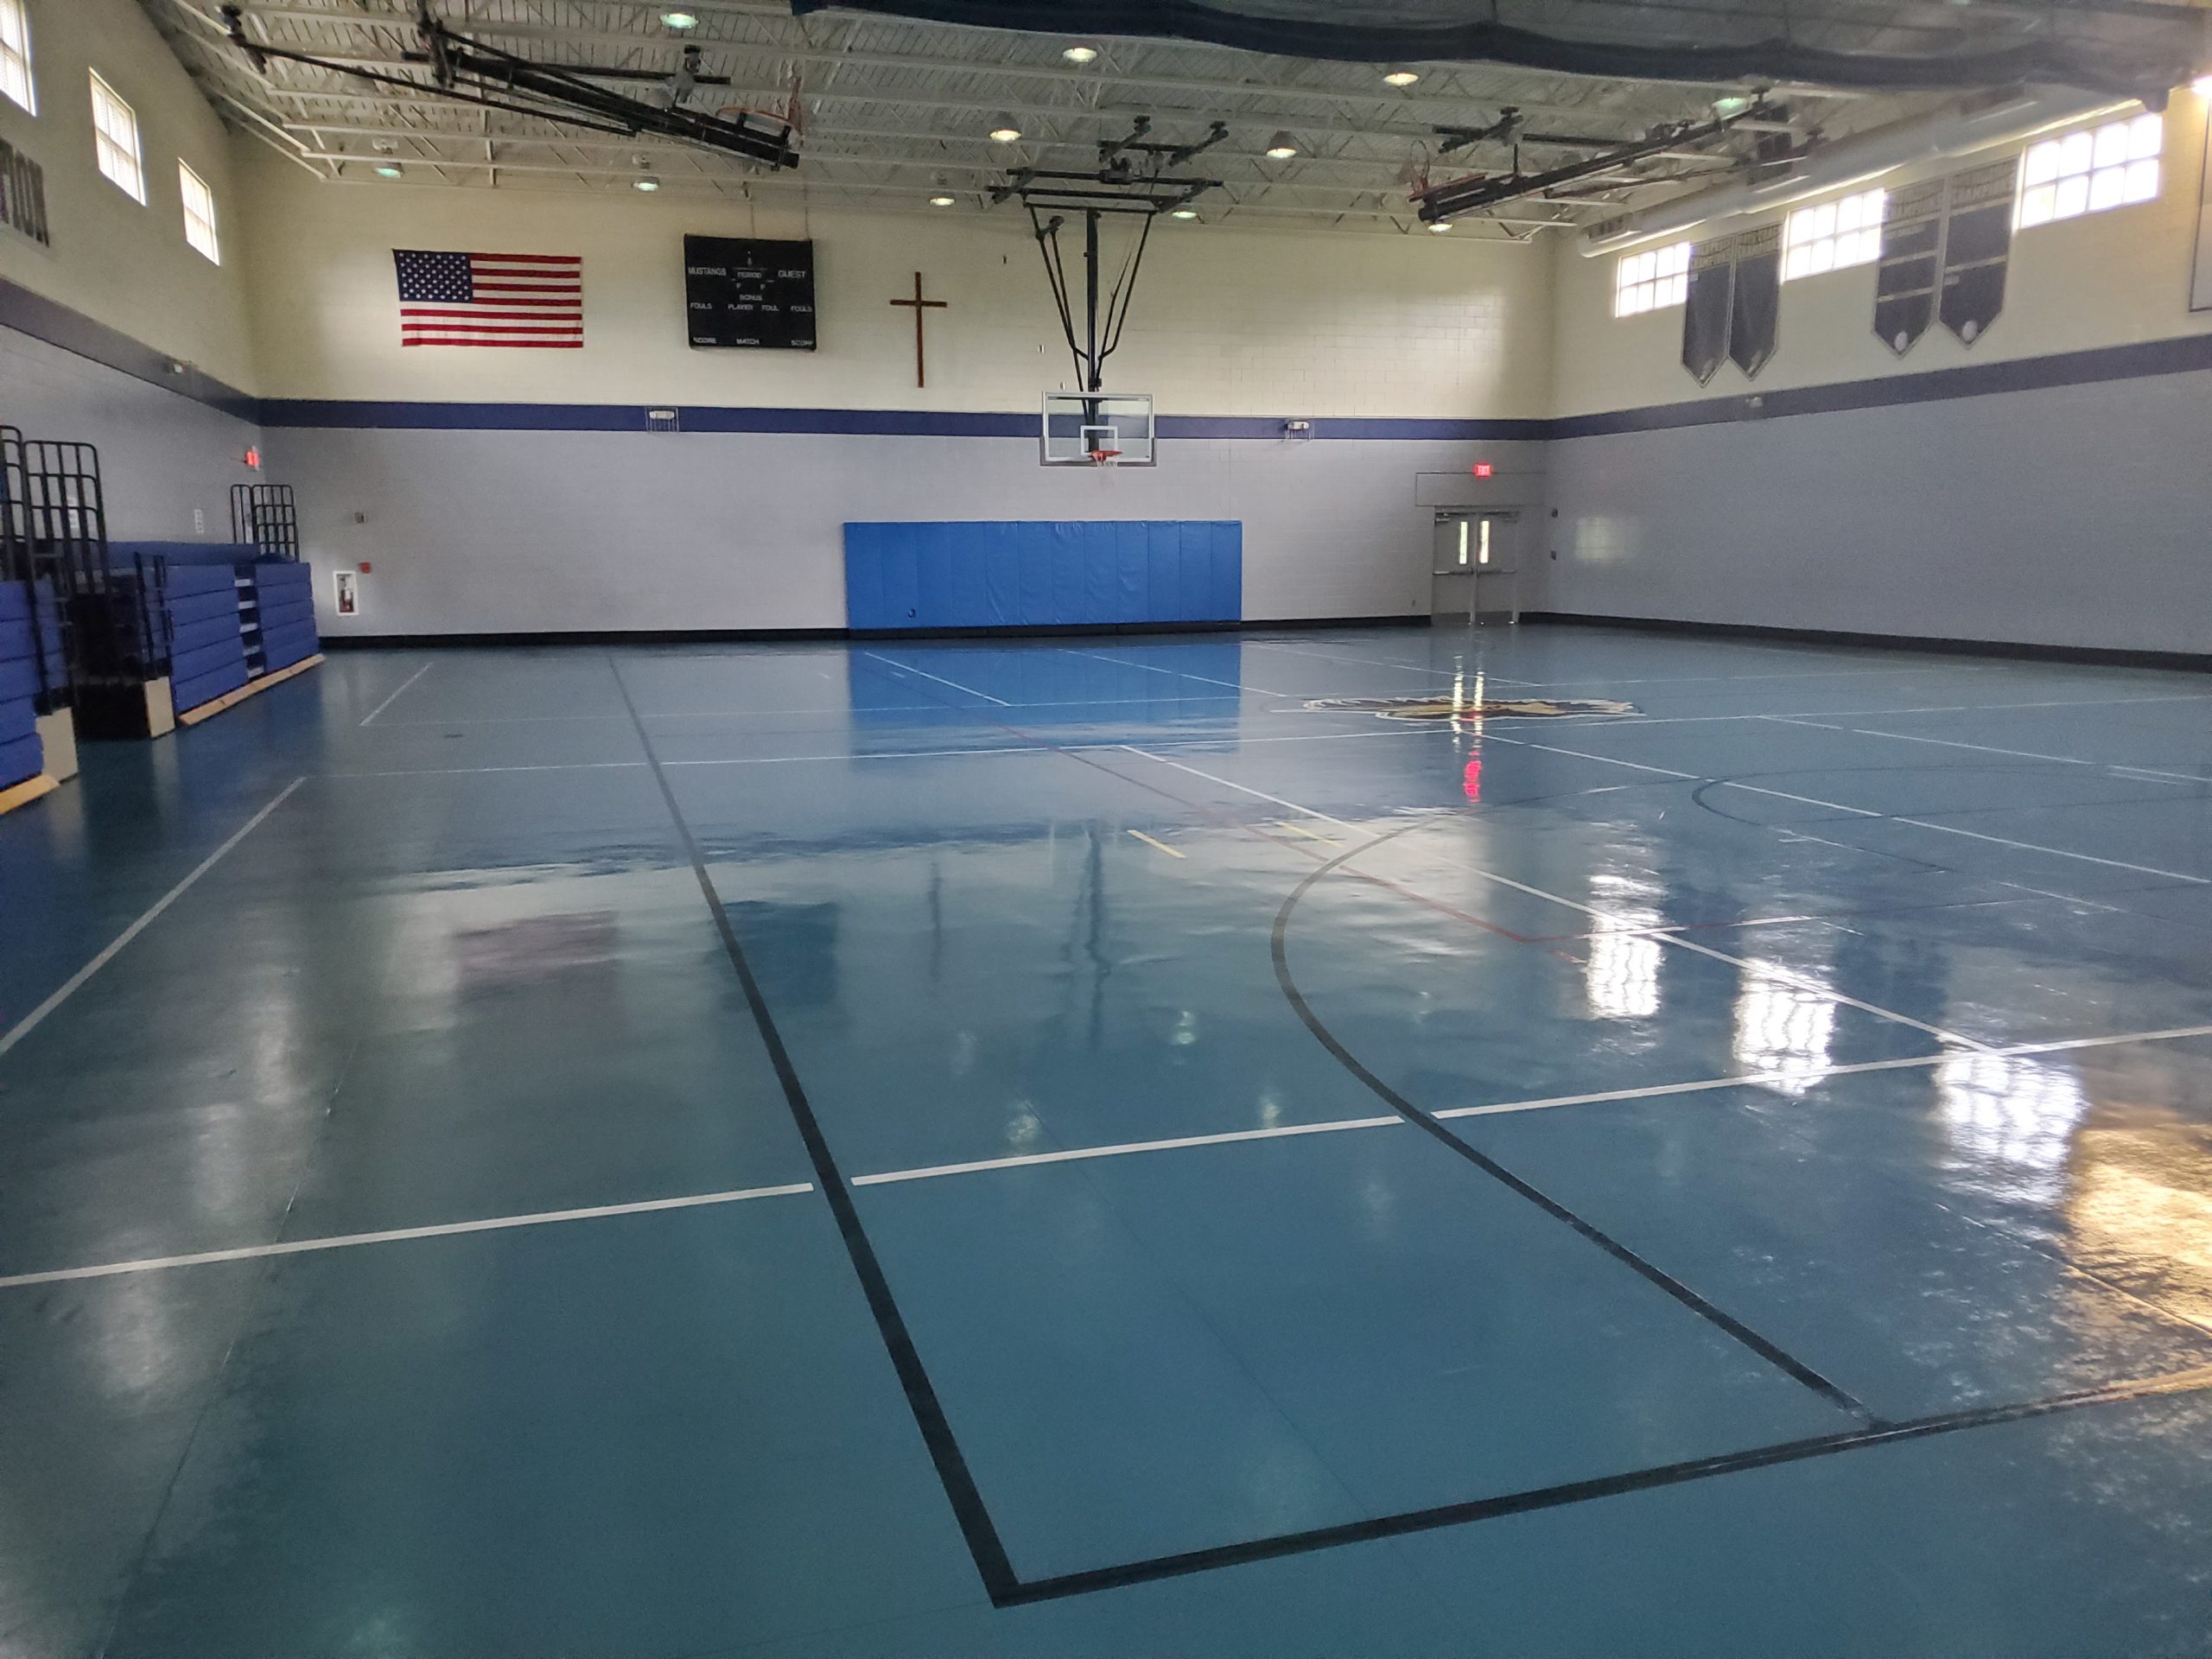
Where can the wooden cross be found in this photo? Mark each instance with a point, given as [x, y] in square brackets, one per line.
[919, 305]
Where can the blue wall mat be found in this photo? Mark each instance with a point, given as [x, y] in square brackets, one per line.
[915, 577]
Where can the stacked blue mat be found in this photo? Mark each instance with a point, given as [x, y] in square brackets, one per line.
[20, 755]
[284, 591]
[207, 642]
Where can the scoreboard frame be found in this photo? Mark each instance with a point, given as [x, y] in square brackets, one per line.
[748, 293]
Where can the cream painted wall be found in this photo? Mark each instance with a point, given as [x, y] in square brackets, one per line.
[1225, 323]
[118, 263]
[2104, 279]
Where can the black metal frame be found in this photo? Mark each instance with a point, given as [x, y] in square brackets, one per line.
[19, 566]
[476, 74]
[116, 621]
[265, 517]
[1444, 201]
[1131, 178]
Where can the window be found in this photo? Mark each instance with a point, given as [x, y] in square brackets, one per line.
[115, 139]
[199, 213]
[15, 55]
[2087, 172]
[1652, 280]
[1833, 235]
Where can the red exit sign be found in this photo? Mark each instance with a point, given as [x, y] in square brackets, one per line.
[1483, 469]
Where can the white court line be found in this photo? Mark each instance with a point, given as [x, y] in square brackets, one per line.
[1377, 662]
[1082, 1153]
[1202, 742]
[1868, 812]
[1203, 679]
[394, 697]
[2147, 772]
[1748, 1079]
[69, 986]
[471, 771]
[348, 1240]
[890, 663]
[1768, 971]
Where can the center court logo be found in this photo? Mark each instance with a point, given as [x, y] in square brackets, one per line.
[1456, 708]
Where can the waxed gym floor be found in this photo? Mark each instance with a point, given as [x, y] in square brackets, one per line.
[1060, 1148]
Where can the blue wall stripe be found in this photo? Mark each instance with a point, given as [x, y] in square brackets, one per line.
[2140, 360]
[46, 320]
[2137, 360]
[57, 325]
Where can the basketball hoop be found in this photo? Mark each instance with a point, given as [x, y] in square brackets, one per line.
[1104, 457]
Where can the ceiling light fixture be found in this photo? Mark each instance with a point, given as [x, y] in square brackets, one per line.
[1441, 227]
[1730, 105]
[1281, 147]
[2202, 85]
[1183, 212]
[1402, 77]
[1079, 54]
[678, 20]
[647, 185]
[942, 201]
[1008, 131]
[388, 170]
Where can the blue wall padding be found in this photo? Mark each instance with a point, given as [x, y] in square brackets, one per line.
[913, 577]
[294, 645]
[21, 758]
[17, 720]
[19, 679]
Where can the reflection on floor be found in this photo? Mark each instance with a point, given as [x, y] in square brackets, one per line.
[1071, 1147]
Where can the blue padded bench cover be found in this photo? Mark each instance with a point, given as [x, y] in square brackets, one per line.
[911, 577]
[201, 659]
[282, 650]
[279, 613]
[17, 719]
[21, 758]
[181, 555]
[218, 680]
[19, 679]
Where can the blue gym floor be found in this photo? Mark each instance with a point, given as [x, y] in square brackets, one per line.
[1081, 1153]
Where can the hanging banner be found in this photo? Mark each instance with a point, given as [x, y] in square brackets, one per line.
[2200, 292]
[1755, 307]
[1912, 254]
[1705, 313]
[22, 194]
[1977, 247]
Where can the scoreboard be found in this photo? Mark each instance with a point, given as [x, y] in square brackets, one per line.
[745, 291]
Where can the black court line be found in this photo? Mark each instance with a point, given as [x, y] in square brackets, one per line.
[976, 1525]
[1552, 1497]
[1772, 1352]
[1005, 1589]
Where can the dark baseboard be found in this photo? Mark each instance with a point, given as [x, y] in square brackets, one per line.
[2195, 661]
[833, 635]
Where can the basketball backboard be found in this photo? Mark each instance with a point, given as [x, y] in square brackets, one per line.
[1097, 428]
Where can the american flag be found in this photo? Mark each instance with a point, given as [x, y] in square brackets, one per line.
[491, 299]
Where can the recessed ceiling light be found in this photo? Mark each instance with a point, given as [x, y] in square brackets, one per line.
[388, 170]
[645, 184]
[678, 20]
[1730, 105]
[1007, 131]
[1402, 77]
[1183, 212]
[1441, 226]
[2202, 85]
[1281, 147]
[1081, 54]
[942, 201]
